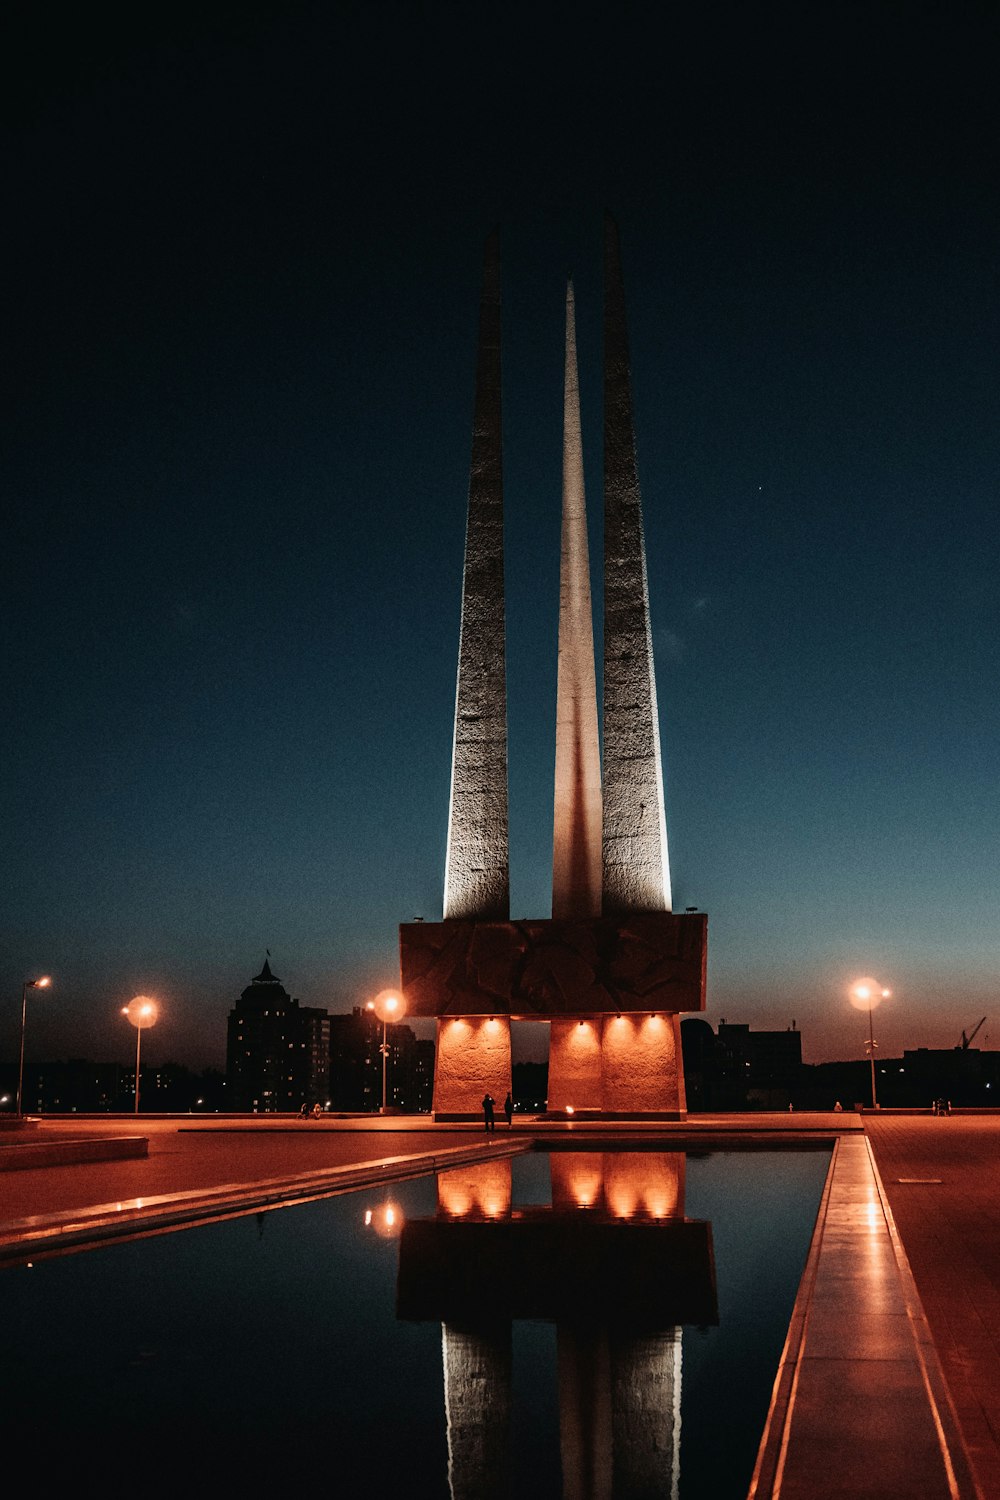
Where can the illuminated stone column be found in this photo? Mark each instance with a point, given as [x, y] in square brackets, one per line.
[477, 1398]
[636, 867]
[642, 1067]
[576, 844]
[575, 1064]
[473, 1059]
[476, 882]
[646, 1414]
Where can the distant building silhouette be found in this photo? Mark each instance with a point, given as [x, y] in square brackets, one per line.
[81, 1086]
[737, 1068]
[277, 1051]
[356, 1065]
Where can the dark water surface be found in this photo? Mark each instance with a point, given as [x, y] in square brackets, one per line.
[265, 1356]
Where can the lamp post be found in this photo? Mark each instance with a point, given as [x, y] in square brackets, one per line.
[865, 995]
[388, 1007]
[29, 984]
[142, 1012]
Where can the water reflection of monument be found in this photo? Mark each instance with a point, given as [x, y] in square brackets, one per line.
[614, 1264]
[614, 966]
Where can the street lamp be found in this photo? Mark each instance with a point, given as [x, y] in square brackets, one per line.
[142, 1012]
[29, 984]
[865, 995]
[388, 1006]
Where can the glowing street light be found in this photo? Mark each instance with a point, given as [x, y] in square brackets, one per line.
[142, 1012]
[388, 1006]
[29, 984]
[865, 994]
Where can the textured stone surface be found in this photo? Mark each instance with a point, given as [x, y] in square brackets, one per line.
[575, 1065]
[646, 1413]
[476, 880]
[628, 1064]
[472, 1059]
[576, 844]
[619, 1413]
[644, 962]
[636, 866]
[642, 1070]
[477, 1387]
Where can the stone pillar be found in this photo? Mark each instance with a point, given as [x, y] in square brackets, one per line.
[575, 1064]
[472, 1059]
[636, 867]
[477, 1399]
[642, 1068]
[476, 882]
[576, 843]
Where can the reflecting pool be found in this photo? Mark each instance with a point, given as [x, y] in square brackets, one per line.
[581, 1324]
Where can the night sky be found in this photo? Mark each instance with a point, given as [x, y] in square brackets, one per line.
[242, 252]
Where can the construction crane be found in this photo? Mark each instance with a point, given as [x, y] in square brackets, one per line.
[967, 1040]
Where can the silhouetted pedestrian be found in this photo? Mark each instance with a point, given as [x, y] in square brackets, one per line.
[508, 1109]
[488, 1121]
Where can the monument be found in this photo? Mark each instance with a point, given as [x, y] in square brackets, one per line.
[613, 967]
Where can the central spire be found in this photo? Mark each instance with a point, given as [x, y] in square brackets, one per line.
[576, 844]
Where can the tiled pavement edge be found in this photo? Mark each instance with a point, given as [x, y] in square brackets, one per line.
[859, 1409]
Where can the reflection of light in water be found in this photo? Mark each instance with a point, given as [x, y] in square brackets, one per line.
[577, 1177]
[626, 1184]
[477, 1191]
[386, 1221]
[650, 1183]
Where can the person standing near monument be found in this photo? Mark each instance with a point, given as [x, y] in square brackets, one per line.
[488, 1121]
[508, 1108]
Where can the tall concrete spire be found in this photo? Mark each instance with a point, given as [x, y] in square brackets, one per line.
[636, 867]
[576, 844]
[477, 881]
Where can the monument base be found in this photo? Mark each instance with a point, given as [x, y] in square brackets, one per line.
[472, 1059]
[612, 989]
